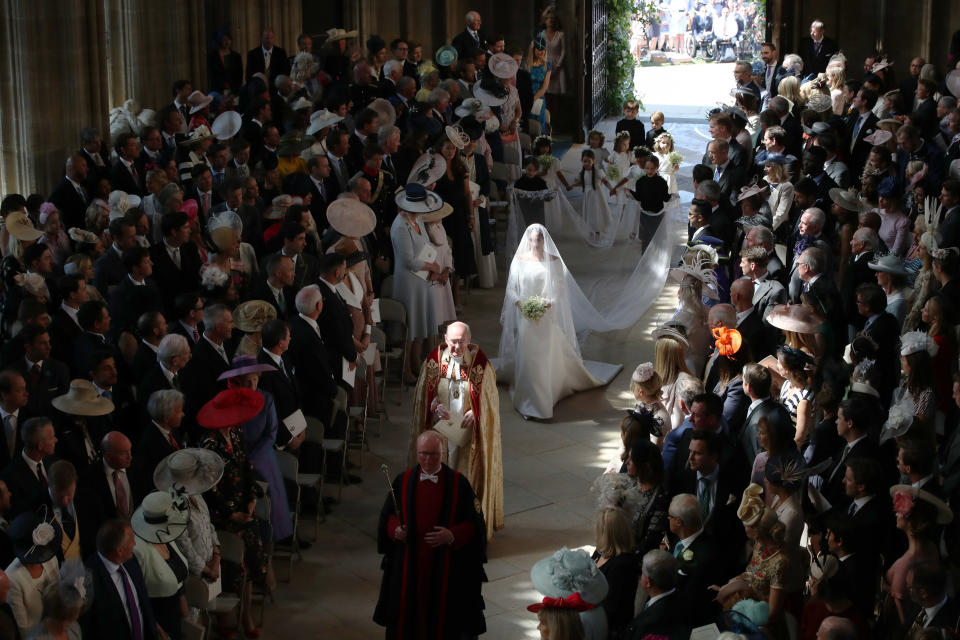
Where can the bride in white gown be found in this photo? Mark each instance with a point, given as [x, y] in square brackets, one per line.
[540, 359]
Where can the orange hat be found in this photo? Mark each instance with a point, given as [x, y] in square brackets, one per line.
[728, 341]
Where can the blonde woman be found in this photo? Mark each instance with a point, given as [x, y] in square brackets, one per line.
[670, 364]
[836, 76]
[618, 561]
[789, 88]
[781, 189]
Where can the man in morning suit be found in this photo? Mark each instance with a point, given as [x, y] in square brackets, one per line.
[862, 247]
[927, 585]
[267, 59]
[277, 288]
[13, 400]
[108, 270]
[70, 195]
[26, 474]
[305, 265]
[311, 363]
[853, 425]
[64, 326]
[282, 383]
[861, 124]
[122, 607]
[134, 295]
[45, 377]
[698, 555]
[212, 356]
[817, 49]
[125, 175]
[173, 353]
[470, 38]
[665, 613]
[336, 327]
[176, 260]
[108, 488]
[756, 384]
[159, 439]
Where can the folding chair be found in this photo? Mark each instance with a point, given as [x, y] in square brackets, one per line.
[338, 446]
[231, 551]
[533, 126]
[290, 470]
[263, 508]
[393, 317]
[379, 338]
[526, 142]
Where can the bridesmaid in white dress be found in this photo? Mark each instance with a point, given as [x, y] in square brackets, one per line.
[540, 359]
[409, 237]
[446, 310]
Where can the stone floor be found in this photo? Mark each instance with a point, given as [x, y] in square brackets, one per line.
[548, 470]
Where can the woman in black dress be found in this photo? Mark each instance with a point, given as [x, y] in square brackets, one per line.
[453, 187]
[619, 562]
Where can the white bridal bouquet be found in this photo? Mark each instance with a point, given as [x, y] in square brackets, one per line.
[533, 308]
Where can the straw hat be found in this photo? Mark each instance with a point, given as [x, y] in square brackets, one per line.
[339, 34]
[502, 66]
[198, 101]
[242, 365]
[82, 399]
[35, 539]
[121, 201]
[293, 142]
[416, 199]
[278, 207]
[229, 408]
[702, 270]
[904, 495]
[195, 471]
[792, 317]
[879, 66]
[351, 218]
[19, 226]
[751, 191]
[428, 168]
[226, 125]
[674, 332]
[848, 200]
[893, 125]
[198, 134]
[250, 316]
[225, 229]
[160, 518]
[445, 56]
[436, 216]
[819, 102]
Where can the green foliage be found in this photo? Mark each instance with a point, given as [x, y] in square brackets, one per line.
[620, 60]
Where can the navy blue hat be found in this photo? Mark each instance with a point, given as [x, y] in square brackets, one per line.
[888, 188]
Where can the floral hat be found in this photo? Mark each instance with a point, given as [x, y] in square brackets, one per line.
[727, 341]
[643, 372]
[567, 572]
[905, 496]
[35, 539]
[916, 341]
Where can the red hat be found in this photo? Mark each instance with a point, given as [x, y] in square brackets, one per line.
[189, 207]
[230, 407]
[573, 601]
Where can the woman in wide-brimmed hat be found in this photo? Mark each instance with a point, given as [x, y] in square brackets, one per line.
[159, 521]
[78, 405]
[227, 251]
[193, 472]
[353, 220]
[249, 317]
[36, 541]
[233, 500]
[413, 278]
[892, 277]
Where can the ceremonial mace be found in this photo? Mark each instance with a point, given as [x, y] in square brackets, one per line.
[396, 505]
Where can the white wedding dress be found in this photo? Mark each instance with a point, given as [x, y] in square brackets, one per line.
[540, 359]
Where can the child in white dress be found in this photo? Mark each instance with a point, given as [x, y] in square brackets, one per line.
[594, 209]
[595, 141]
[616, 169]
[663, 148]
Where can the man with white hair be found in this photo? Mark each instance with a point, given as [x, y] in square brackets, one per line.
[809, 235]
[311, 361]
[837, 628]
[392, 72]
[470, 38]
[697, 554]
[457, 395]
[863, 245]
[160, 437]
[173, 353]
[817, 49]
[665, 613]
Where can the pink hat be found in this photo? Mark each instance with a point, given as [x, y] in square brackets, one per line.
[45, 210]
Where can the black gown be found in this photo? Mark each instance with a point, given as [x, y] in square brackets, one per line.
[457, 224]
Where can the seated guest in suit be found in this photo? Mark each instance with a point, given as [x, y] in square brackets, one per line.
[665, 613]
[13, 400]
[726, 172]
[161, 438]
[698, 556]
[33, 572]
[122, 601]
[108, 488]
[618, 561]
[335, 322]
[63, 488]
[78, 427]
[187, 314]
[173, 353]
[108, 269]
[26, 473]
[157, 523]
[151, 328]
[134, 295]
[311, 363]
[176, 261]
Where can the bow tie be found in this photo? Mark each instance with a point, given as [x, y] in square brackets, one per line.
[429, 476]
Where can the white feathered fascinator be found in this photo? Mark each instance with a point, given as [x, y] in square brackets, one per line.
[76, 584]
[899, 418]
[618, 491]
[698, 263]
[916, 341]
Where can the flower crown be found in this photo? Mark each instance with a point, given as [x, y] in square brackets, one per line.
[665, 134]
[940, 254]
[544, 139]
[596, 133]
[622, 134]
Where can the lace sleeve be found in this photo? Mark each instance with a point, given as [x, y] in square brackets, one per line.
[653, 523]
[541, 195]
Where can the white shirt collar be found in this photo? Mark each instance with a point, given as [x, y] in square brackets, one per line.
[850, 445]
[109, 564]
[109, 470]
[217, 347]
[934, 610]
[166, 372]
[922, 481]
[711, 476]
[753, 405]
[148, 345]
[276, 359]
[862, 501]
[310, 321]
[30, 363]
[659, 597]
[686, 542]
[332, 287]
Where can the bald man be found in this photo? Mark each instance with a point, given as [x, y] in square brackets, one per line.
[457, 395]
[756, 335]
[434, 550]
[70, 195]
[107, 489]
